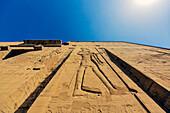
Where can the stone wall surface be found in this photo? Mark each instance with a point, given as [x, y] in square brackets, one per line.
[85, 77]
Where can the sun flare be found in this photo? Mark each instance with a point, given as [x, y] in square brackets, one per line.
[145, 2]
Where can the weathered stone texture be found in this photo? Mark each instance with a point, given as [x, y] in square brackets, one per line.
[85, 77]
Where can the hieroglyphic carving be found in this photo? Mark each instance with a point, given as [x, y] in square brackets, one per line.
[90, 60]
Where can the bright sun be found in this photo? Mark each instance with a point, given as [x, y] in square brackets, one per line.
[145, 2]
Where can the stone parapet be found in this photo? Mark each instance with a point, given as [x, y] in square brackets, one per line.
[43, 42]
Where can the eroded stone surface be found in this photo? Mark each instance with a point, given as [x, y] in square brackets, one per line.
[84, 79]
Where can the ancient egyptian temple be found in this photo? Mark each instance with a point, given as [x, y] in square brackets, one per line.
[49, 76]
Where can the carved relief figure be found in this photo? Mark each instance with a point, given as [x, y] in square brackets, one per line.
[90, 60]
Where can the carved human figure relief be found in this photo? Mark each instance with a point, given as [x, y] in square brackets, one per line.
[90, 60]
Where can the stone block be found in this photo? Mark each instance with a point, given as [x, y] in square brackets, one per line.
[4, 47]
[38, 47]
[52, 45]
[159, 92]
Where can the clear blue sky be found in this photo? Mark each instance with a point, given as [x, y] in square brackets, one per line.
[140, 21]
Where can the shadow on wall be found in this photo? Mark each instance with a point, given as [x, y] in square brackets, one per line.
[158, 93]
[14, 53]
